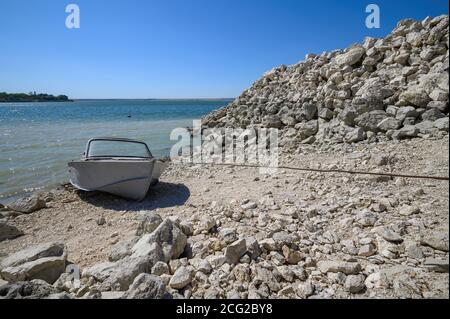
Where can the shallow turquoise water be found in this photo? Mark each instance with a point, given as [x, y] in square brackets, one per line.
[38, 139]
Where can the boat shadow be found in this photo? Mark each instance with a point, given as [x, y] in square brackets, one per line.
[162, 195]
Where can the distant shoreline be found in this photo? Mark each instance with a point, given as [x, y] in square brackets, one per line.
[31, 97]
[130, 99]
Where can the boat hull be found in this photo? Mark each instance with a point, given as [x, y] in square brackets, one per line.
[130, 179]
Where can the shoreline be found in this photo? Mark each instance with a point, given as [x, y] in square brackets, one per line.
[92, 224]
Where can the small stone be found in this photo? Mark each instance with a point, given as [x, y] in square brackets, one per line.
[181, 278]
[389, 235]
[253, 248]
[101, 221]
[337, 277]
[304, 290]
[160, 268]
[407, 210]
[292, 257]
[206, 224]
[201, 265]
[235, 251]
[286, 291]
[348, 268]
[216, 260]
[413, 251]
[187, 228]
[249, 205]
[367, 250]
[436, 264]
[366, 218]
[355, 283]
[228, 235]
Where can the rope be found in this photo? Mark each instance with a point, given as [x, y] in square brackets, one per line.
[341, 171]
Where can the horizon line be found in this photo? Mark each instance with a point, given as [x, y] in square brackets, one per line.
[159, 98]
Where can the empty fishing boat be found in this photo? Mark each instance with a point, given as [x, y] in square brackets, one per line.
[118, 166]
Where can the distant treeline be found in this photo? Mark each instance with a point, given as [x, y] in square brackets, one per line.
[31, 97]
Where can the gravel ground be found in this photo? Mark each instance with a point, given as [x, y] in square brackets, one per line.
[327, 216]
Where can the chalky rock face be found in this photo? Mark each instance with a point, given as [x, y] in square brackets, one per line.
[385, 86]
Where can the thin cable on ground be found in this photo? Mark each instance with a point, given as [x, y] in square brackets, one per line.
[319, 170]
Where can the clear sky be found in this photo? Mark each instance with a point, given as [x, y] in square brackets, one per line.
[176, 48]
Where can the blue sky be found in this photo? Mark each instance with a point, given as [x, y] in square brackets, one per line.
[176, 48]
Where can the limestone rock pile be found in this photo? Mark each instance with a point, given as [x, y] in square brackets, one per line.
[391, 88]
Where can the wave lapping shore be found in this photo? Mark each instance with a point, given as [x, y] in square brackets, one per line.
[231, 232]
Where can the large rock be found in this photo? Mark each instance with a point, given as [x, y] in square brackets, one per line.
[436, 265]
[119, 275]
[442, 124]
[168, 236]
[272, 121]
[8, 231]
[405, 112]
[432, 115]
[48, 269]
[348, 116]
[147, 248]
[122, 249]
[352, 57]
[436, 240]
[355, 283]
[388, 234]
[307, 129]
[405, 132]
[369, 121]
[426, 127]
[388, 124]
[54, 249]
[307, 112]
[355, 135]
[371, 94]
[34, 289]
[27, 205]
[416, 95]
[149, 221]
[146, 286]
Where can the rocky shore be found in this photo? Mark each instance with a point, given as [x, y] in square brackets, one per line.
[384, 89]
[230, 232]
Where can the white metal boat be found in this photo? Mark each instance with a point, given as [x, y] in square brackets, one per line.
[118, 166]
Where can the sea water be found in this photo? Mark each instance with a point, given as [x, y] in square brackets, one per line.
[38, 139]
